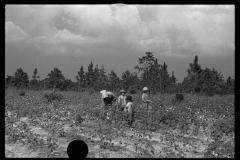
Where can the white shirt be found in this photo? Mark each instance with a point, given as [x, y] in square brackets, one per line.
[122, 100]
[106, 94]
[129, 107]
[144, 97]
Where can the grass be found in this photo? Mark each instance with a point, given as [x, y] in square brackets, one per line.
[212, 114]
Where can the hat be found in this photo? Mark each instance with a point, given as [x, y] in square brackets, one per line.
[129, 98]
[122, 91]
[145, 89]
[103, 91]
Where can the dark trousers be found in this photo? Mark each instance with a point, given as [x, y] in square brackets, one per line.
[130, 118]
[108, 100]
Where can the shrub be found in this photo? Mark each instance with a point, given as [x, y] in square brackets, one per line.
[177, 99]
[210, 93]
[132, 91]
[86, 100]
[96, 113]
[53, 96]
[22, 93]
[26, 111]
[79, 119]
[82, 90]
[220, 149]
[91, 91]
[222, 126]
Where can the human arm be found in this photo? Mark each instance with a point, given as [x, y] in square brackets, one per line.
[144, 98]
[119, 100]
[149, 101]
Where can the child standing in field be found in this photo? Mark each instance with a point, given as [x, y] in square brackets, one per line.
[145, 99]
[129, 109]
[122, 99]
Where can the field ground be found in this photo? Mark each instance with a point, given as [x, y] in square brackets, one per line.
[35, 127]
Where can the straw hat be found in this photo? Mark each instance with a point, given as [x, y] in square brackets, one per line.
[145, 89]
[122, 91]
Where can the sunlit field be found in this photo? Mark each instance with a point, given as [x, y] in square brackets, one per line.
[43, 123]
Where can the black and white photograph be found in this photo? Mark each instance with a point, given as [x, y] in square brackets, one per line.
[120, 81]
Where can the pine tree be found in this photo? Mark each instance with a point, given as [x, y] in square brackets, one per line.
[9, 81]
[114, 81]
[96, 78]
[126, 79]
[150, 71]
[230, 85]
[103, 76]
[165, 77]
[145, 64]
[194, 70]
[34, 81]
[21, 78]
[89, 75]
[81, 78]
[55, 79]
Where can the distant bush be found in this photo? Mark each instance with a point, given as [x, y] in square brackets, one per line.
[91, 91]
[82, 90]
[22, 93]
[132, 90]
[154, 92]
[85, 100]
[177, 99]
[53, 96]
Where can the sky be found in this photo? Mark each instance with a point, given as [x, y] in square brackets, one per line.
[116, 36]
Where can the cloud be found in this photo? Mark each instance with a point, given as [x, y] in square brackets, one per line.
[13, 32]
[170, 30]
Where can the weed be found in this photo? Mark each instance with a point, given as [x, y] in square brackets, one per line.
[22, 93]
[86, 100]
[197, 111]
[79, 119]
[53, 96]
[26, 111]
[91, 91]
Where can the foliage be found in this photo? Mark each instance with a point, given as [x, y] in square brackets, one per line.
[91, 91]
[153, 74]
[90, 75]
[19, 80]
[79, 119]
[34, 81]
[55, 79]
[53, 96]
[22, 93]
[114, 81]
[149, 74]
[81, 78]
[206, 123]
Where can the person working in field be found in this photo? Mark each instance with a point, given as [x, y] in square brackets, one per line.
[129, 109]
[145, 99]
[108, 98]
[122, 99]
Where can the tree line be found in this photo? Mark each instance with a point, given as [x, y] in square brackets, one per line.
[149, 73]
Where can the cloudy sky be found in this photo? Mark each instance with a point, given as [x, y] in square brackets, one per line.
[71, 36]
